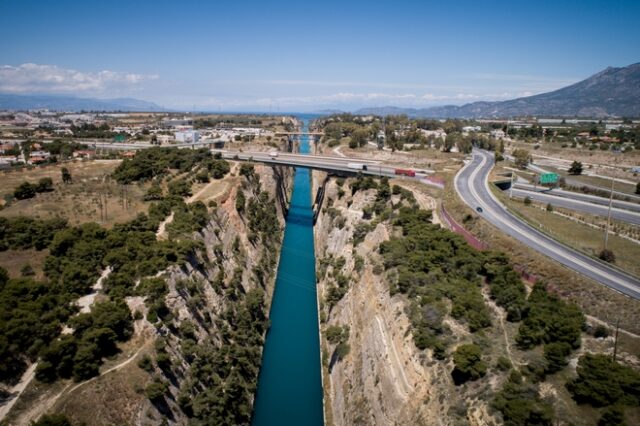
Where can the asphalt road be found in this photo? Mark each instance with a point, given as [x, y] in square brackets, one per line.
[589, 207]
[558, 192]
[472, 185]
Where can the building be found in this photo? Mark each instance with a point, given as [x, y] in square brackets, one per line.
[163, 139]
[6, 147]
[187, 136]
[498, 134]
[84, 154]
[468, 129]
[39, 154]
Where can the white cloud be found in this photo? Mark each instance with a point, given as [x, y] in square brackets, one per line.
[36, 78]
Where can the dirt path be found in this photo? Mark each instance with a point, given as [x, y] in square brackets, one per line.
[85, 302]
[43, 407]
[501, 315]
[338, 152]
[161, 234]
[18, 389]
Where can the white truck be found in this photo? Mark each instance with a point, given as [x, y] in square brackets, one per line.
[357, 166]
[273, 154]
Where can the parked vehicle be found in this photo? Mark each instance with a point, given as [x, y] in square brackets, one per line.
[406, 172]
[357, 166]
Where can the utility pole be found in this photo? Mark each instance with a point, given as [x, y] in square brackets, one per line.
[106, 217]
[606, 229]
[511, 186]
[615, 341]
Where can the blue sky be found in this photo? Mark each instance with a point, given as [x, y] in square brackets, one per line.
[306, 56]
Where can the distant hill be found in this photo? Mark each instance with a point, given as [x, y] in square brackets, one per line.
[72, 103]
[614, 92]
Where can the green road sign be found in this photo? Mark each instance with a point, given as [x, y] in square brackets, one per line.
[549, 178]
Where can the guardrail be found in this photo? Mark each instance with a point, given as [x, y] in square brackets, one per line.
[454, 226]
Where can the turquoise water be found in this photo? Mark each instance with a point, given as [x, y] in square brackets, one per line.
[290, 386]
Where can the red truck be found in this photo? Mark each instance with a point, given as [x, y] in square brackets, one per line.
[405, 172]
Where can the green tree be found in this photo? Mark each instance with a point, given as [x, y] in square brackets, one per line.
[468, 364]
[180, 188]
[154, 193]
[66, 175]
[556, 354]
[607, 255]
[522, 158]
[247, 170]
[24, 191]
[576, 168]
[612, 416]
[202, 176]
[602, 381]
[44, 185]
[156, 390]
[520, 404]
[240, 201]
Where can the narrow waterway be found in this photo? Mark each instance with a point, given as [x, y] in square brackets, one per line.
[290, 386]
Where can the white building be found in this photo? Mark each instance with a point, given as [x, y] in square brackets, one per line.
[468, 129]
[498, 134]
[187, 136]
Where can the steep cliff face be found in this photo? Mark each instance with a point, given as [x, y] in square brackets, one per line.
[197, 347]
[219, 304]
[374, 374]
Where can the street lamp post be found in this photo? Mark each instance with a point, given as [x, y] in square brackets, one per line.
[606, 229]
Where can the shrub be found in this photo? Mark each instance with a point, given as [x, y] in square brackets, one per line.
[520, 404]
[549, 319]
[612, 416]
[44, 185]
[601, 331]
[607, 255]
[25, 191]
[555, 354]
[468, 364]
[156, 390]
[503, 364]
[576, 168]
[146, 363]
[602, 381]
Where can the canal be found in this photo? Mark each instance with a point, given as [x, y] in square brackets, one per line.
[289, 385]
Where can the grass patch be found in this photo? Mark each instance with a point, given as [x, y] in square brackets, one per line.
[14, 260]
[582, 237]
[81, 201]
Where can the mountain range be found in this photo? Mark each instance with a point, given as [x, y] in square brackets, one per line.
[72, 103]
[613, 92]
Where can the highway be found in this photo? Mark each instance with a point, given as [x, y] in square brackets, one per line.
[472, 185]
[558, 192]
[593, 207]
